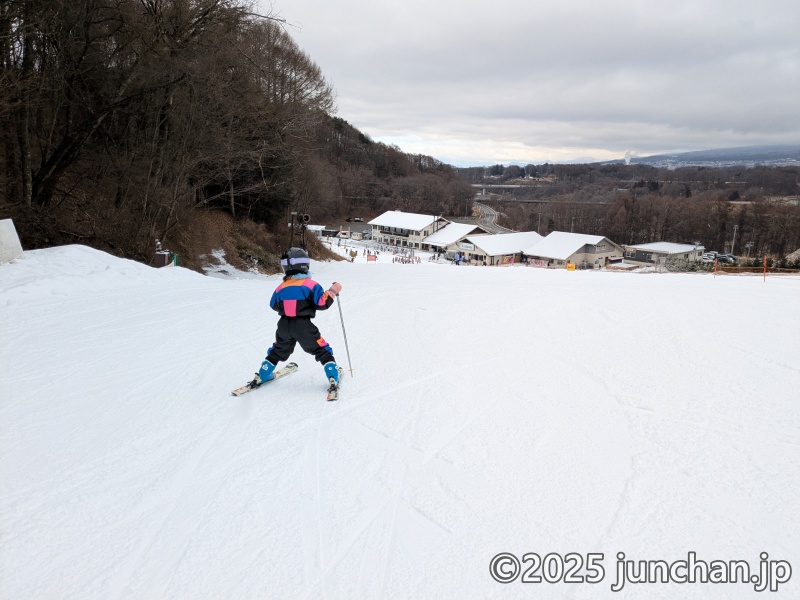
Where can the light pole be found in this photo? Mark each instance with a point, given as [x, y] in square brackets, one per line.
[733, 243]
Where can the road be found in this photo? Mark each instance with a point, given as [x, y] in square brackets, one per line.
[488, 219]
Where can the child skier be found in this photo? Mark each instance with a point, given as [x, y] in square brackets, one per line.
[297, 300]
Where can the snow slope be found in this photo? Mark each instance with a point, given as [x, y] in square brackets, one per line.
[491, 410]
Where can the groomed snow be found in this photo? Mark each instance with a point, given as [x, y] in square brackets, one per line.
[491, 410]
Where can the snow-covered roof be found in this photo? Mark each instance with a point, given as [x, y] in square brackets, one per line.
[560, 245]
[403, 220]
[450, 234]
[504, 243]
[667, 247]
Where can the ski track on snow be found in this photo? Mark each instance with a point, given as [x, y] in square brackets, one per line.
[316, 545]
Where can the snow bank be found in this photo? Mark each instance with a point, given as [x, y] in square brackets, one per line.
[10, 248]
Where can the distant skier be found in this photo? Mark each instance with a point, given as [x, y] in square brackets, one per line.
[297, 300]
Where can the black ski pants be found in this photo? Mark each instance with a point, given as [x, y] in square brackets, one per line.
[294, 330]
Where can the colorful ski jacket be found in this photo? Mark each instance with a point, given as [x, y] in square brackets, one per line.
[300, 297]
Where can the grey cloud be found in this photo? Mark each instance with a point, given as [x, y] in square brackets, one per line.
[577, 77]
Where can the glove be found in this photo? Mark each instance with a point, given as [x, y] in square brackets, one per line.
[335, 289]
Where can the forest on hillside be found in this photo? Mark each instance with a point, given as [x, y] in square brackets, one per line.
[754, 211]
[127, 121]
[122, 120]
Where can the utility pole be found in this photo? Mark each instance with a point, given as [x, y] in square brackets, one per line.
[733, 243]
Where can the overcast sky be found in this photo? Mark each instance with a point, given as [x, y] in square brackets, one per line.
[526, 81]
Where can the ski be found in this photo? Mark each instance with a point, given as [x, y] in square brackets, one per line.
[333, 388]
[282, 372]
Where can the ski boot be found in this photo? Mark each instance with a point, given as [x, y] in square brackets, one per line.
[265, 373]
[333, 372]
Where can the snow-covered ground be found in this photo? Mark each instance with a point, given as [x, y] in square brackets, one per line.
[490, 410]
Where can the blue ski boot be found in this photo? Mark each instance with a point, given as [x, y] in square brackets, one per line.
[332, 373]
[266, 372]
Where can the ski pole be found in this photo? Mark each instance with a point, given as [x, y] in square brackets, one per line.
[346, 347]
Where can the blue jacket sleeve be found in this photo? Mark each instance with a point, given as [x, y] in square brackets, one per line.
[273, 302]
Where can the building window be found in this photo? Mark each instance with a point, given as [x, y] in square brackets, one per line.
[630, 253]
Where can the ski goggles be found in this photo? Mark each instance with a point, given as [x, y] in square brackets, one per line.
[286, 262]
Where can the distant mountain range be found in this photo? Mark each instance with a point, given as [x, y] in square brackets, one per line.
[748, 155]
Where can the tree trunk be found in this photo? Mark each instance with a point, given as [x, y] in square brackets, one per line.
[25, 120]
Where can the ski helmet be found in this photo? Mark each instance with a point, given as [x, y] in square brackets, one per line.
[295, 261]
